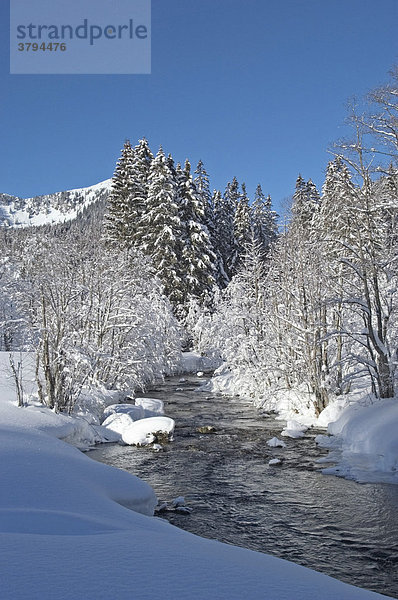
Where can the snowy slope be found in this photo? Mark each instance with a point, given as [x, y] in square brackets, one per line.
[72, 528]
[49, 209]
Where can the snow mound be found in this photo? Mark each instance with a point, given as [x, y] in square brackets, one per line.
[142, 433]
[151, 406]
[332, 412]
[276, 443]
[135, 412]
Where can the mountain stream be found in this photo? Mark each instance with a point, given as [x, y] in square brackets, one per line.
[342, 528]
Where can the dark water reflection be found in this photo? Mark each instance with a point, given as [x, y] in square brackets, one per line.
[339, 527]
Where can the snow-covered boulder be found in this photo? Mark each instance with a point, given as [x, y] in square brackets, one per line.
[294, 429]
[135, 412]
[151, 406]
[118, 422]
[276, 443]
[142, 433]
[179, 501]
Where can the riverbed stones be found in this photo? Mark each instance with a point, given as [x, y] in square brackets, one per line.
[206, 429]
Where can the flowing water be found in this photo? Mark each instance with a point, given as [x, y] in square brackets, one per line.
[342, 528]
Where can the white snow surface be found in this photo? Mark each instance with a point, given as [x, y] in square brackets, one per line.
[293, 433]
[118, 422]
[72, 528]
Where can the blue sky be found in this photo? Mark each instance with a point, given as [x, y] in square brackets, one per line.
[255, 88]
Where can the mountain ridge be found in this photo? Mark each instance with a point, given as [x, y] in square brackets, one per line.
[50, 209]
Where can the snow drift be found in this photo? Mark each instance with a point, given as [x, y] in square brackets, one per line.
[364, 442]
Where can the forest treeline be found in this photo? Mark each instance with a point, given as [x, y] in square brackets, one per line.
[196, 239]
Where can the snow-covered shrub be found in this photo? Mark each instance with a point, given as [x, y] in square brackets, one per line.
[100, 317]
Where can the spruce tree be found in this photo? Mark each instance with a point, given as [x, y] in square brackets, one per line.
[222, 278]
[117, 216]
[264, 220]
[201, 181]
[224, 217]
[306, 202]
[242, 229]
[141, 163]
[163, 228]
[197, 252]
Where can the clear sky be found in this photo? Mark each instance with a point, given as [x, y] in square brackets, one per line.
[255, 88]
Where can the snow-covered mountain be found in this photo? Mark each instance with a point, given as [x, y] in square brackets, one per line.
[51, 208]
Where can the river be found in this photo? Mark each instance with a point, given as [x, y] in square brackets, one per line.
[342, 528]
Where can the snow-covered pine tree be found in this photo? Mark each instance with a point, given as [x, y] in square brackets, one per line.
[306, 202]
[264, 220]
[163, 229]
[313, 195]
[224, 218]
[172, 166]
[237, 331]
[242, 229]
[116, 230]
[197, 252]
[201, 181]
[222, 278]
[142, 159]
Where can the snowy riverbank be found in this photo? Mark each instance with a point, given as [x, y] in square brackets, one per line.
[363, 443]
[362, 431]
[74, 528]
